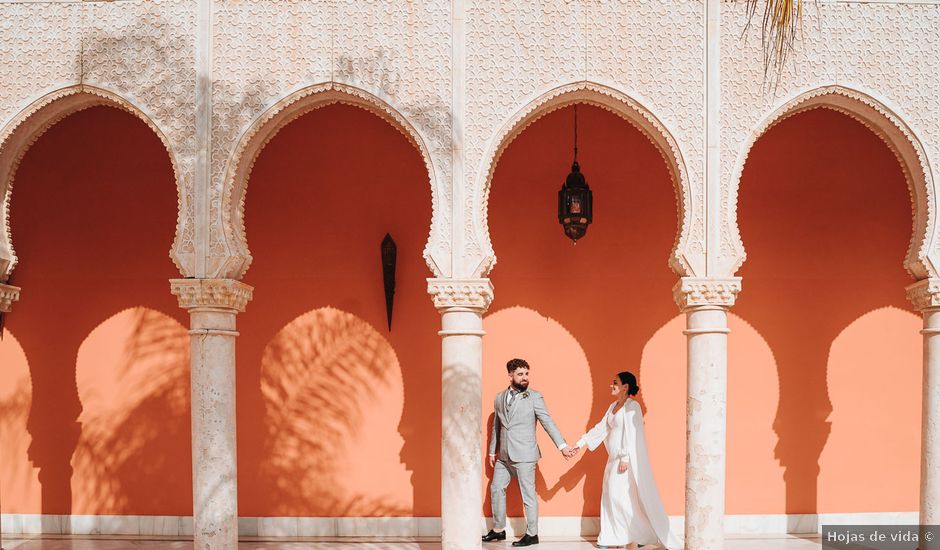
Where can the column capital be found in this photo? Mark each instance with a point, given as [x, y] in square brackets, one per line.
[473, 294]
[924, 294]
[211, 293]
[697, 292]
[8, 295]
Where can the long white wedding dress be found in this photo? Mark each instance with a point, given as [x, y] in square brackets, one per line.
[631, 510]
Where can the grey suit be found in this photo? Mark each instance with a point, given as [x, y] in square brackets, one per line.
[513, 442]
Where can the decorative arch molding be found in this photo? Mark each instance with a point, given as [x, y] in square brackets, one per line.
[681, 259]
[875, 115]
[27, 126]
[267, 125]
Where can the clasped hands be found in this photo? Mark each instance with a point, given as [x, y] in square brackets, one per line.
[570, 452]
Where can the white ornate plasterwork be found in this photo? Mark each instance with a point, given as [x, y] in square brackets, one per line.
[282, 113]
[691, 292]
[518, 52]
[476, 294]
[134, 55]
[26, 127]
[8, 295]
[211, 293]
[590, 93]
[397, 55]
[859, 59]
[896, 135]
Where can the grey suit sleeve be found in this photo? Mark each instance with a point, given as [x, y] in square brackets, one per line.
[541, 413]
[494, 433]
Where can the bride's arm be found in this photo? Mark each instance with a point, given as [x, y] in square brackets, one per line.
[595, 436]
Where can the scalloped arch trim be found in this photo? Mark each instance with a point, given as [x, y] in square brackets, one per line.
[266, 126]
[27, 126]
[618, 103]
[892, 130]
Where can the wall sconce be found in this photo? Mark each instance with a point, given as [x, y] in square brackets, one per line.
[389, 261]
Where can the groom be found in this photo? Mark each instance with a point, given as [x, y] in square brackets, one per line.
[517, 408]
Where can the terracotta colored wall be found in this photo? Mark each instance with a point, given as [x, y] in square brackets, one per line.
[337, 415]
[827, 214]
[95, 373]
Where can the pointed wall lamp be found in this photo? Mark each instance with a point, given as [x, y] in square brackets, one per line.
[575, 200]
[389, 261]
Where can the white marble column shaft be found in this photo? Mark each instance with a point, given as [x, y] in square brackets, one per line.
[461, 304]
[213, 305]
[705, 302]
[926, 298]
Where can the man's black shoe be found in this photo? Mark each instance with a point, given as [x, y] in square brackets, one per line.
[527, 540]
[493, 535]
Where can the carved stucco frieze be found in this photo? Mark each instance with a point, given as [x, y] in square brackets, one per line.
[8, 295]
[135, 56]
[211, 293]
[860, 59]
[391, 58]
[691, 292]
[476, 294]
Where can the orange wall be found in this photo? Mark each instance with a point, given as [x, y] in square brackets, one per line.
[93, 218]
[826, 217]
[338, 416]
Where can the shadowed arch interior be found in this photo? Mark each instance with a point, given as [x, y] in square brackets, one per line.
[825, 214]
[323, 193]
[94, 209]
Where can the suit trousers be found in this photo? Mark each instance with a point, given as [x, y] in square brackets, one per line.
[524, 472]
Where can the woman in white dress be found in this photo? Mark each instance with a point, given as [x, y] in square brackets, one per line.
[631, 511]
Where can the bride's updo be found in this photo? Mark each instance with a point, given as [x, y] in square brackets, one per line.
[628, 380]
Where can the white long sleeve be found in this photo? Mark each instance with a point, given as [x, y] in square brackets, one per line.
[596, 435]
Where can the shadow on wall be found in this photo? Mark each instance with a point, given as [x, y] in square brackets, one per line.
[322, 195]
[825, 214]
[19, 481]
[133, 381]
[333, 392]
[93, 214]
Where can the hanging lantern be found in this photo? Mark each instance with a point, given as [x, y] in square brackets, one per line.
[575, 200]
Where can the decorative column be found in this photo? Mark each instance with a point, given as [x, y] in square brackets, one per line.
[461, 303]
[8, 295]
[706, 303]
[925, 296]
[213, 305]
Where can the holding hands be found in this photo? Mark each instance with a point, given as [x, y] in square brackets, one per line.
[570, 452]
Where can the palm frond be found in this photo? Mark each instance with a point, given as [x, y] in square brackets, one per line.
[780, 26]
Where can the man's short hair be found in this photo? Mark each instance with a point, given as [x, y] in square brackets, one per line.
[514, 364]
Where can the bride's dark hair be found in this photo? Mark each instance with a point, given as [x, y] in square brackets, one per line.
[628, 380]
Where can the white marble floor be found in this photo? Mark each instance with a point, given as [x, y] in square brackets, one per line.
[782, 542]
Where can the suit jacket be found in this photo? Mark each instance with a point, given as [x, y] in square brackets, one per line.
[513, 433]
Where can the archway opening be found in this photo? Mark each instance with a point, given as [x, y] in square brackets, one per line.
[608, 295]
[322, 195]
[825, 213]
[94, 210]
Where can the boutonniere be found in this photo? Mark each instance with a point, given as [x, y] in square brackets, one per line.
[525, 395]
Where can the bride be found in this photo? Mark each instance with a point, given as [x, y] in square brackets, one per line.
[631, 510]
